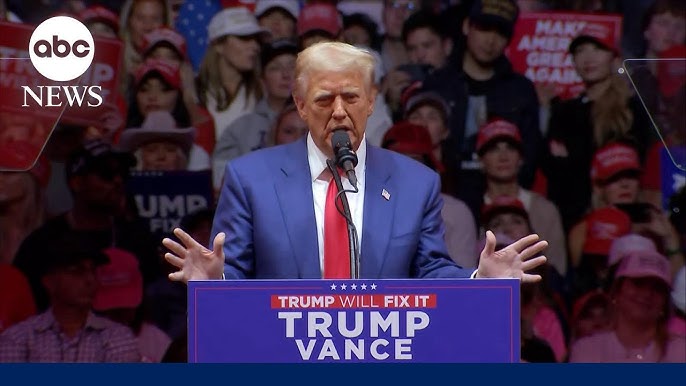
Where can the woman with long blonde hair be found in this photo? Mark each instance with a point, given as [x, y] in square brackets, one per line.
[229, 84]
[606, 112]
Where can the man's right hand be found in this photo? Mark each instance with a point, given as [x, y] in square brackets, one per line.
[194, 261]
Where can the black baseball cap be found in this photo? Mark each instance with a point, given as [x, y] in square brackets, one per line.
[71, 249]
[99, 157]
[276, 48]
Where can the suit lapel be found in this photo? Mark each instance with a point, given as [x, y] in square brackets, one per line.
[294, 192]
[378, 213]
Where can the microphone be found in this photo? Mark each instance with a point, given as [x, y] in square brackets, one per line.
[344, 155]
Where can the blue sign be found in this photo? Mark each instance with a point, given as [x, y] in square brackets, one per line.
[673, 178]
[301, 321]
[164, 198]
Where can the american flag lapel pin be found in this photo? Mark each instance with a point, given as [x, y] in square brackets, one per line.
[386, 195]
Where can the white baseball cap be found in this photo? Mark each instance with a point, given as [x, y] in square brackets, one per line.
[290, 6]
[236, 21]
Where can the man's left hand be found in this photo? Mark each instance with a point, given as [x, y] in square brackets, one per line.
[512, 261]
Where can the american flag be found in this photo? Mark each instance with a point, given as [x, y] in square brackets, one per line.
[192, 21]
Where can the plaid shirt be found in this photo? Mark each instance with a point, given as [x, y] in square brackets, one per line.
[39, 339]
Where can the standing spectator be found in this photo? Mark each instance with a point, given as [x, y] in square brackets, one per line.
[120, 298]
[228, 82]
[395, 12]
[428, 47]
[664, 27]
[425, 40]
[69, 331]
[640, 298]
[460, 232]
[481, 86]
[95, 175]
[248, 132]
[137, 18]
[500, 149]
[165, 44]
[278, 17]
[158, 88]
[428, 109]
[159, 145]
[605, 112]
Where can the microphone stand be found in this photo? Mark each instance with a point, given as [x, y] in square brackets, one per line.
[345, 212]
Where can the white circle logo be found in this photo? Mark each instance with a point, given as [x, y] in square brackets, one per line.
[61, 48]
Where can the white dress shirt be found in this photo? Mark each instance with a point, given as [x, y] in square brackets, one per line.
[320, 185]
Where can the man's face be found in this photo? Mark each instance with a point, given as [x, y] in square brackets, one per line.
[425, 47]
[431, 118]
[664, 31]
[279, 22]
[335, 100]
[395, 13]
[484, 44]
[102, 188]
[74, 285]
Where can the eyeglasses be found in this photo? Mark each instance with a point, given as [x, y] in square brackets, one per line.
[405, 5]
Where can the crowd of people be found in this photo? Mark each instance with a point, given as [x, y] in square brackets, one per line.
[83, 278]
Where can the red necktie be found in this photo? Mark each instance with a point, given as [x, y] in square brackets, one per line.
[336, 246]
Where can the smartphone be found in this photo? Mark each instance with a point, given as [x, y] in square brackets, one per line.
[639, 212]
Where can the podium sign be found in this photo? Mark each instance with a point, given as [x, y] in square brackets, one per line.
[301, 321]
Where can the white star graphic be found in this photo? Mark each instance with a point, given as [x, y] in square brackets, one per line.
[343, 286]
[373, 286]
[363, 287]
[353, 286]
[333, 287]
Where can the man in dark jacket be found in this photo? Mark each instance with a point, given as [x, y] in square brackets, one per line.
[481, 87]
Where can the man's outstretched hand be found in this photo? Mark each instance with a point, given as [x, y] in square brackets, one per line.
[194, 261]
[512, 261]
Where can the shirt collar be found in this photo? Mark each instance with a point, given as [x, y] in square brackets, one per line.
[47, 321]
[317, 159]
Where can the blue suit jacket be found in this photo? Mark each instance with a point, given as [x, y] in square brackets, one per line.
[266, 210]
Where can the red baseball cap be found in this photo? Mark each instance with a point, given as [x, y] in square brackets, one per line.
[497, 129]
[164, 35]
[120, 282]
[319, 16]
[98, 13]
[596, 33]
[612, 159]
[671, 70]
[502, 204]
[408, 138]
[168, 71]
[603, 226]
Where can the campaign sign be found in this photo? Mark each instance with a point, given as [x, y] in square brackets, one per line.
[539, 47]
[673, 177]
[164, 198]
[354, 321]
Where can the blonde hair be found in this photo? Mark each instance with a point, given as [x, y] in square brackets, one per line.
[181, 157]
[610, 113]
[131, 58]
[209, 79]
[332, 57]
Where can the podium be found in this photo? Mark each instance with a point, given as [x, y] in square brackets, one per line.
[354, 321]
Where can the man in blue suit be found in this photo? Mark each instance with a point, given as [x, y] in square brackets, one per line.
[271, 214]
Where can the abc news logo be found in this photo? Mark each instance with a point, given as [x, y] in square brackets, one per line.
[62, 49]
